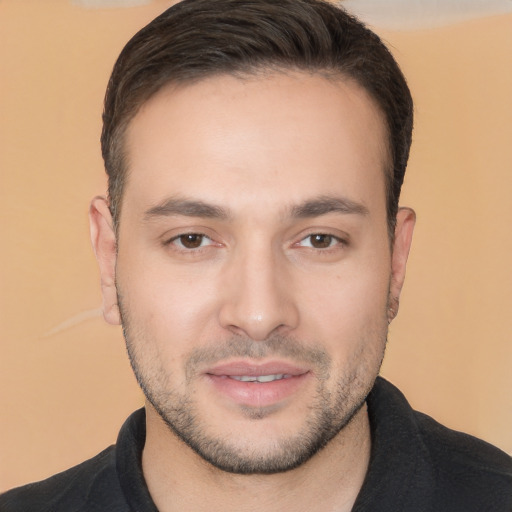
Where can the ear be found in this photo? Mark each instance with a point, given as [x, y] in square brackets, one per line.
[104, 243]
[405, 220]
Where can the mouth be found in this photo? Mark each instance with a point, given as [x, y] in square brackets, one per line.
[257, 385]
[260, 378]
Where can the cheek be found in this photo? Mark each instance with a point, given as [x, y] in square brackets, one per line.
[352, 286]
[352, 326]
[349, 309]
[170, 307]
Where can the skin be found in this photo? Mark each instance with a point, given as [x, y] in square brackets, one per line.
[278, 183]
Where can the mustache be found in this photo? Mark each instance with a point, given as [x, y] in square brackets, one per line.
[244, 347]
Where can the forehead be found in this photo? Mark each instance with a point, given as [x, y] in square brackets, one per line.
[271, 139]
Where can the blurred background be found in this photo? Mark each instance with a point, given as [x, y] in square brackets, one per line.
[65, 382]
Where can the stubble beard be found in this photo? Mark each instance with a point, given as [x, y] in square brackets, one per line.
[329, 413]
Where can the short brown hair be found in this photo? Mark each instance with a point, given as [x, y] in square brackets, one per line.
[196, 39]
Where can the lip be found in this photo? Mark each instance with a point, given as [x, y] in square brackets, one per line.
[239, 368]
[257, 394]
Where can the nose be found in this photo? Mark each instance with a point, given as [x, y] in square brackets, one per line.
[258, 298]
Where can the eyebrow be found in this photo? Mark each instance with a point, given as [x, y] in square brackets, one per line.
[328, 204]
[316, 207]
[186, 207]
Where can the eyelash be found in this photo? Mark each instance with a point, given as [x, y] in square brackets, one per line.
[338, 242]
[333, 242]
[182, 247]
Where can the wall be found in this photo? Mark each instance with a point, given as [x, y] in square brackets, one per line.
[65, 384]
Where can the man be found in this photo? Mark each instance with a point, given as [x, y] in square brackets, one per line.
[253, 250]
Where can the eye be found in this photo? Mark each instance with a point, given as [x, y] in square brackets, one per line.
[320, 241]
[191, 241]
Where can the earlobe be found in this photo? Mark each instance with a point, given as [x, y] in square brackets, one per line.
[104, 243]
[405, 221]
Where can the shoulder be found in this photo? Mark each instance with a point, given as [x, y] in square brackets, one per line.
[466, 466]
[418, 464]
[91, 486]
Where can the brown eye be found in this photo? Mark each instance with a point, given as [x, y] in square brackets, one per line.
[191, 240]
[321, 241]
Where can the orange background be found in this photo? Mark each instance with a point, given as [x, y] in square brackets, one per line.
[65, 383]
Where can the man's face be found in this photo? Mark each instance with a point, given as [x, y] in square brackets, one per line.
[253, 264]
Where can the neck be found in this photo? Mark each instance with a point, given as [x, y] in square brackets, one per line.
[178, 479]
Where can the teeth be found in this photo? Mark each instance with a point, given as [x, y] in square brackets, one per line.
[260, 378]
